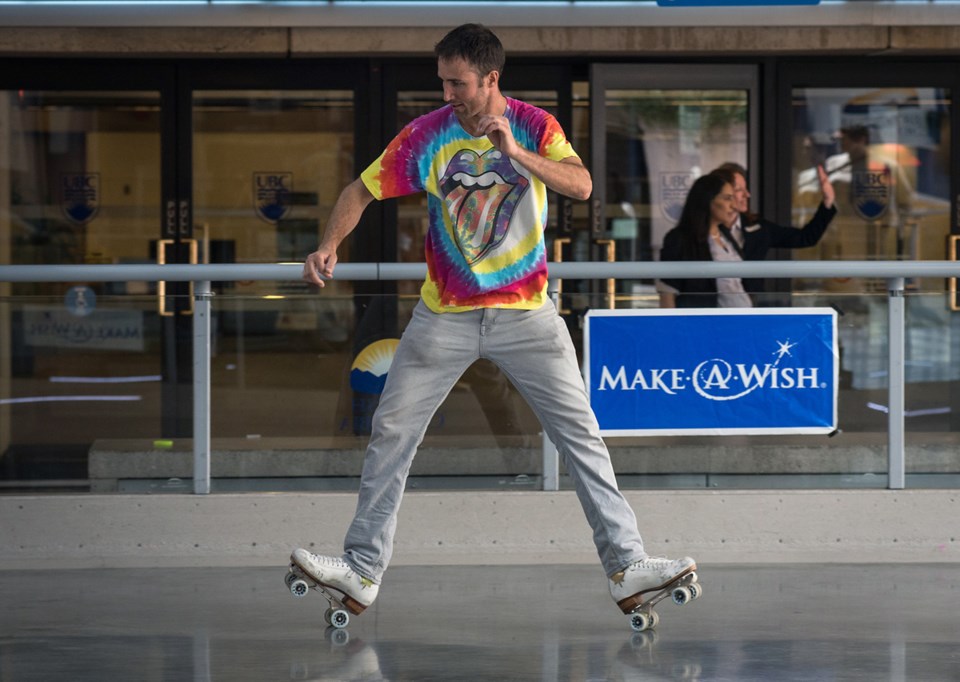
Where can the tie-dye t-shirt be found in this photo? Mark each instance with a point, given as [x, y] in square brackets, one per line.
[484, 247]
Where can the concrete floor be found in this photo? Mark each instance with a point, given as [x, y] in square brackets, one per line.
[813, 622]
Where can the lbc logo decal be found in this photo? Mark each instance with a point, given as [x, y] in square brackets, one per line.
[80, 196]
[271, 195]
[871, 192]
[674, 187]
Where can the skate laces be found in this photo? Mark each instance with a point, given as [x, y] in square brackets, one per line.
[330, 561]
[653, 562]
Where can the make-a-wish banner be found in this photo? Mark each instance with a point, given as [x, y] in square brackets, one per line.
[712, 371]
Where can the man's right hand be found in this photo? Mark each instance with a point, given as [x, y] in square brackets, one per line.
[344, 217]
[319, 266]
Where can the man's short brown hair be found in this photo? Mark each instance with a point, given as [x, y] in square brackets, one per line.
[475, 44]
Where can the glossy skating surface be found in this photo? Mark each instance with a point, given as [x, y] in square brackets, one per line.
[889, 622]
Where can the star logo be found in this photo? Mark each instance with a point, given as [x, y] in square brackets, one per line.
[784, 349]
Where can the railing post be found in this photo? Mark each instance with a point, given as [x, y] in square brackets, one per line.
[551, 458]
[551, 464]
[201, 388]
[896, 467]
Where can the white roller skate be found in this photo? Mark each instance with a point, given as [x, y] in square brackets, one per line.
[345, 590]
[643, 584]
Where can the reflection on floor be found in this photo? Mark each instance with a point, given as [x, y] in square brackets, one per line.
[816, 622]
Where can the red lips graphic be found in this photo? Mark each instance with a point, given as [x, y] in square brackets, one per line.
[481, 192]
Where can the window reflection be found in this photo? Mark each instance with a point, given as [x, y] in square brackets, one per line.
[886, 152]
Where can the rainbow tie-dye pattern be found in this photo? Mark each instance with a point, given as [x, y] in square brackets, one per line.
[484, 247]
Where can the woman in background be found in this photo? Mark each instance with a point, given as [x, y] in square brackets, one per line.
[699, 236]
[708, 231]
[756, 235]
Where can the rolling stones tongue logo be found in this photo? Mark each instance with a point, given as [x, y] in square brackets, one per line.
[481, 193]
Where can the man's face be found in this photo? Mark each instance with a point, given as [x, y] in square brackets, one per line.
[463, 88]
[741, 195]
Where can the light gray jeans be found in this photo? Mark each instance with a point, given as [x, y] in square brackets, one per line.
[534, 350]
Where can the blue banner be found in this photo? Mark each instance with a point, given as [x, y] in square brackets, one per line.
[712, 371]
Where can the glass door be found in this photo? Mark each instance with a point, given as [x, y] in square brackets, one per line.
[884, 137]
[83, 176]
[656, 129]
[196, 162]
[270, 149]
[887, 153]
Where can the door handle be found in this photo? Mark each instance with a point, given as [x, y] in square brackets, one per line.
[611, 282]
[162, 245]
[953, 245]
[558, 245]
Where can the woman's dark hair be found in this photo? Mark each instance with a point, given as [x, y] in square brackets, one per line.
[694, 223]
[728, 174]
[475, 44]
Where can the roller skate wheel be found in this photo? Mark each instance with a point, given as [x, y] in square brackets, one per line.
[654, 620]
[336, 618]
[681, 595]
[640, 621]
[298, 587]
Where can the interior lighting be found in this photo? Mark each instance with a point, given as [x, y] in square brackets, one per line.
[106, 380]
[71, 399]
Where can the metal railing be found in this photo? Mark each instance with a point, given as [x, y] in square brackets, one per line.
[894, 272]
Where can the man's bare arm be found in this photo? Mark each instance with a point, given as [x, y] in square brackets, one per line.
[343, 219]
[567, 177]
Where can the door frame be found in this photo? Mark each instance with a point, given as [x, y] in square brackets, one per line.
[864, 72]
[176, 80]
[212, 75]
[814, 73]
[605, 77]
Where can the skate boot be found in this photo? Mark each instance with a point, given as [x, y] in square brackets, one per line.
[335, 576]
[629, 586]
